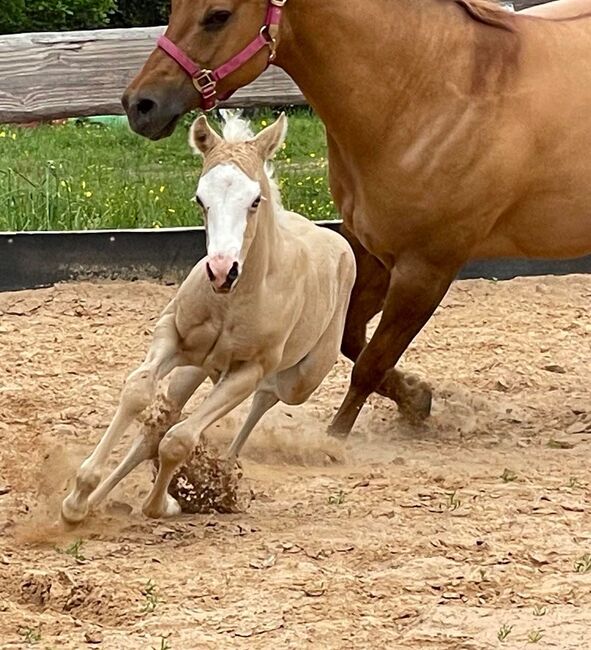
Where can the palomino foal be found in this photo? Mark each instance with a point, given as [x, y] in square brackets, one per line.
[263, 314]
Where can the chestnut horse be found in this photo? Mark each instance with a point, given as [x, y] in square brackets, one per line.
[456, 130]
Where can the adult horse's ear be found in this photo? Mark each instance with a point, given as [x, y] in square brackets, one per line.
[271, 138]
[202, 138]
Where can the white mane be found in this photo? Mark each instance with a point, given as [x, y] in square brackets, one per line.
[235, 130]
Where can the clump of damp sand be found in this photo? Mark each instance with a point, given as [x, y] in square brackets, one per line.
[207, 483]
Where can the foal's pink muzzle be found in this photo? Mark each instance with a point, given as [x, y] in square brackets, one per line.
[222, 271]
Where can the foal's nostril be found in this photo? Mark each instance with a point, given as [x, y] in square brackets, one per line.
[145, 106]
[233, 274]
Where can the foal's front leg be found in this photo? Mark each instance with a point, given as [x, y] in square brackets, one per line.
[183, 383]
[138, 393]
[180, 441]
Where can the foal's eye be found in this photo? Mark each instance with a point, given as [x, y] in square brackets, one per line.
[256, 203]
[215, 20]
[199, 202]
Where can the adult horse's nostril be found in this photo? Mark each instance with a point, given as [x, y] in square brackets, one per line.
[210, 274]
[145, 106]
[233, 274]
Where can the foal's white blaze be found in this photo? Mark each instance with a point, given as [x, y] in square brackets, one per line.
[227, 195]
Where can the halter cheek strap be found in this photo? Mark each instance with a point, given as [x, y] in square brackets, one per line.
[206, 81]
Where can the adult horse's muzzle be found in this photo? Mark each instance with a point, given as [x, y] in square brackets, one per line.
[223, 272]
[153, 115]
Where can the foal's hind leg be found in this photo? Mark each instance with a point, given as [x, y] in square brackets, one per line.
[263, 401]
[295, 385]
[412, 396]
[183, 383]
[180, 441]
[416, 288]
[138, 393]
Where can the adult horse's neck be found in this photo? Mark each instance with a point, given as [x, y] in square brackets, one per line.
[367, 66]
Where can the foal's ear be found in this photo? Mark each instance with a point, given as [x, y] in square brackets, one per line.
[271, 138]
[202, 138]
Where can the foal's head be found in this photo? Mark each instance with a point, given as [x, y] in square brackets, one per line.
[233, 191]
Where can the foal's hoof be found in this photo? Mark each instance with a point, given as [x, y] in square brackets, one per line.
[171, 508]
[73, 512]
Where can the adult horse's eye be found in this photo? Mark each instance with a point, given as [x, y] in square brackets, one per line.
[256, 203]
[199, 202]
[215, 20]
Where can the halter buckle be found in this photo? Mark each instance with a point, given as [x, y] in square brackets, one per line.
[206, 84]
[267, 33]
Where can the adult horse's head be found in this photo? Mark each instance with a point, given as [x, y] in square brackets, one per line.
[210, 49]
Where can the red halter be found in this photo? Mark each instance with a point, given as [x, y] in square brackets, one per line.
[206, 81]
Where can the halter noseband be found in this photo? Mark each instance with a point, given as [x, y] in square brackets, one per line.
[206, 81]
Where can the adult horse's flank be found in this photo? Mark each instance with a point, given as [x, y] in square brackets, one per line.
[456, 130]
[272, 325]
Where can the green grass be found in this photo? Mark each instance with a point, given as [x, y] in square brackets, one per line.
[83, 175]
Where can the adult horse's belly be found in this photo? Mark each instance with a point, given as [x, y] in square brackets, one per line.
[548, 228]
[560, 9]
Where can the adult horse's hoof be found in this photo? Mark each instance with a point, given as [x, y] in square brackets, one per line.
[72, 512]
[339, 428]
[417, 401]
[333, 450]
[413, 396]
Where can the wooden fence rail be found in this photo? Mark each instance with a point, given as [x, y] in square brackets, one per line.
[71, 74]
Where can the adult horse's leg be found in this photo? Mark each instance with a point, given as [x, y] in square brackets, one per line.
[412, 396]
[138, 393]
[183, 383]
[367, 297]
[416, 288]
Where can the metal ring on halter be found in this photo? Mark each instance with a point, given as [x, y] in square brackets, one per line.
[271, 42]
